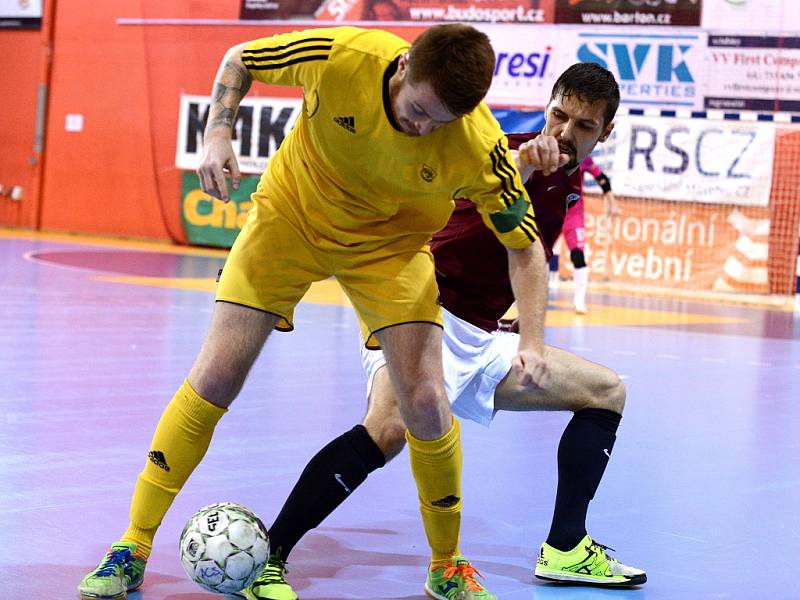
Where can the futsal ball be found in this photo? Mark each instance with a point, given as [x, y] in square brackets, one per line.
[224, 547]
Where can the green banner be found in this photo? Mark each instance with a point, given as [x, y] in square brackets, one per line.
[211, 222]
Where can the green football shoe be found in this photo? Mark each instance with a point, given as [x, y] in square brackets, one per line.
[121, 571]
[587, 563]
[456, 581]
[271, 584]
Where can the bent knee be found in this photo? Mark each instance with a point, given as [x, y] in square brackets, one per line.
[425, 400]
[605, 391]
[218, 384]
[612, 394]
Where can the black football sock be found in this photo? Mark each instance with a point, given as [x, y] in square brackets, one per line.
[328, 479]
[583, 454]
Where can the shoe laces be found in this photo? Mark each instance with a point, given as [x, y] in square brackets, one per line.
[603, 548]
[275, 571]
[466, 571]
[113, 559]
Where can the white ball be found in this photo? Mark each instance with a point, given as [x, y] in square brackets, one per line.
[224, 547]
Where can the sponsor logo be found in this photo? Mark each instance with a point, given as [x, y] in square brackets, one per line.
[454, 12]
[628, 12]
[446, 587]
[348, 123]
[528, 65]
[211, 521]
[607, 452]
[646, 3]
[447, 502]
[338, 477]
[193, 550]
[656, 70]
[631, 60]
[158, 459]
[260, 126]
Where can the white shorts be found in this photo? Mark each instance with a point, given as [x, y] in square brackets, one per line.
[474, 361]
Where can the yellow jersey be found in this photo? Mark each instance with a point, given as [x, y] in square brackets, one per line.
[349, 178]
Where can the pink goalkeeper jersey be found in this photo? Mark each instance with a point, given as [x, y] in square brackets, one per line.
[574, 229]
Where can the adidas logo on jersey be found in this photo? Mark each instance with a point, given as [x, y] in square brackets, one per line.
[348, 123]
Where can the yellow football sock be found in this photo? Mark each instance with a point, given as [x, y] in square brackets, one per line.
[436, 466]
[179, 444]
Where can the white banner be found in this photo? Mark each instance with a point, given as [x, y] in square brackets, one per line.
[21, 8]
[20, 14]
[747, 72]
[751, 15]
[695, 160]
[527, 63]
[654, 70]
[260, 127]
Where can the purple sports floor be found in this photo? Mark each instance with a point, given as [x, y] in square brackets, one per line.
[703, 490]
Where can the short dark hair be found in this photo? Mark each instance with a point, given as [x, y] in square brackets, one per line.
[590, 83]
[457, 60]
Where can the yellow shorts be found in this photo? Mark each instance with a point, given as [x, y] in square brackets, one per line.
[272, 264]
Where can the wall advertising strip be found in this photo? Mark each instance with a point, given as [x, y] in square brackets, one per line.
[753, 73]
[278, 9]
[209, 222]
[526, 65]
[678, 245]
[486, 11]
[751, 15]
[20, 14]
[260, 127]
[652, 69]
[691, 160]
[629, 12]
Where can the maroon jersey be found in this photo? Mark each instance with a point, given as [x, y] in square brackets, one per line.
[472, 264]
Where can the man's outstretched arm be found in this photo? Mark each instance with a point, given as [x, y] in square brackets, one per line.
[230, 86]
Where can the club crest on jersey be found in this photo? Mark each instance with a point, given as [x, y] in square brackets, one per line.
[572, 199]
[427, 173]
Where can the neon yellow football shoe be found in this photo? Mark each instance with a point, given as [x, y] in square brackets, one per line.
[455, 581]
[586, 563]
[271, 584]
[121, 571]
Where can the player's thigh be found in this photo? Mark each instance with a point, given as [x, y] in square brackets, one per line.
[390, 288]
[271, 265]
[575, 383]
[413, 353]
[234, 340]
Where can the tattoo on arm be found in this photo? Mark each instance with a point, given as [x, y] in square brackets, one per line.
[232, 83]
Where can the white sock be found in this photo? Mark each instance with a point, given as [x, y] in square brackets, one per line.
[580, 278]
